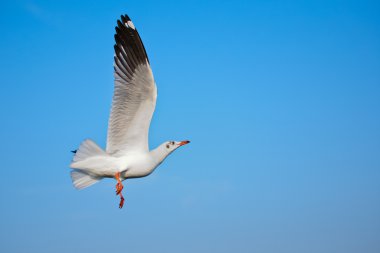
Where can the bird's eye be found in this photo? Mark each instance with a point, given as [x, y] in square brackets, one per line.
[167, 146]
[172, 142]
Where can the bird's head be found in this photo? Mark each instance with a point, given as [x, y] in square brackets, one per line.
[170, 146]
[166, 148]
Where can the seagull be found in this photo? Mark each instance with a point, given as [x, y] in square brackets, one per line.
[127, 154]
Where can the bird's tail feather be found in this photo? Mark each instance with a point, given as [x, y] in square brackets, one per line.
[82, 180]
[88, 161]
[87, 149]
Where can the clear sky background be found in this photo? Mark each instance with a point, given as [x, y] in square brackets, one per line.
[281, 100]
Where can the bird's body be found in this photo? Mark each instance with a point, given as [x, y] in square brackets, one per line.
[127, 154]
[133, 164]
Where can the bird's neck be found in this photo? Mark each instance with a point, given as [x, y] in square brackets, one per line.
[159, 154]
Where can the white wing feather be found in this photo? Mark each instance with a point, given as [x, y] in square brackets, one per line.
[132, 110]
[135, 93]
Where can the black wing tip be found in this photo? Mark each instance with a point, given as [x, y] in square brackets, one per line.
[74, 151]
[125, 17]
[123, 20]
[126, 23]
[128, 38]
[119, 24]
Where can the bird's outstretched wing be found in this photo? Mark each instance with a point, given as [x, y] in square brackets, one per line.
[135, 93]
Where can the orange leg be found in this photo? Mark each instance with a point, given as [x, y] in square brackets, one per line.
[121, 201]
[119, 185]
[119, 188]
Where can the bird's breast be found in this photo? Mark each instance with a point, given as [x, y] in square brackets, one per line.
[139, 166]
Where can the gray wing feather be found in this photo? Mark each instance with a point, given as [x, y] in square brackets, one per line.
[135, 92]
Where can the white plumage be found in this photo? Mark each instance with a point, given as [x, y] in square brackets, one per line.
[127, 153]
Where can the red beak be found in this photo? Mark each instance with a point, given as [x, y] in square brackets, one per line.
[183, 143]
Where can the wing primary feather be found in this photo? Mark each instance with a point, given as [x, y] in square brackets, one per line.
[121, 43]
[120, 54]
[134, 92]
[130, 36]
[120, 73]
[126, 38]
[138, 40]
[127, 52]
[135, 36]
[121, 69]
[123, 63]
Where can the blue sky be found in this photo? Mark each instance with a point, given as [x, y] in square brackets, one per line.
[279, 98]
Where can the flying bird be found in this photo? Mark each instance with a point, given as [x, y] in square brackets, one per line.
[127, 154]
